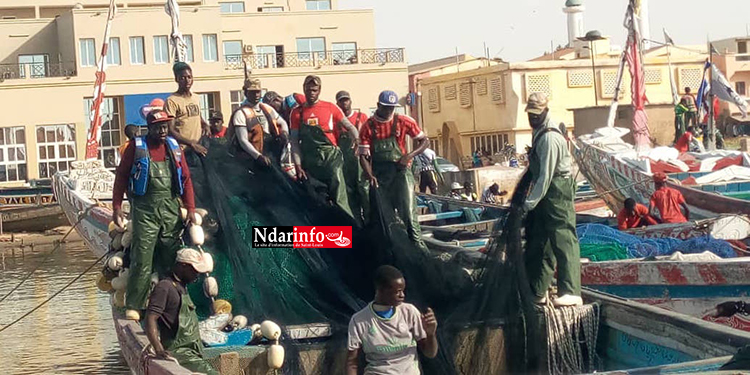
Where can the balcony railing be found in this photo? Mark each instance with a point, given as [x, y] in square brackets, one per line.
[37, 70]
[380, 56]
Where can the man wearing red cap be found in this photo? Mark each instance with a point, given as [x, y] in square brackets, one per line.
[357, 187]
[155, 173]
[667, 202]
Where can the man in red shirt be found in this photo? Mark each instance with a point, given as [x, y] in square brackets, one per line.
[386, 162]
[315, 127]
[668, 202]
[634, 215]
[356, 186]
[154, 171]
[683, 144]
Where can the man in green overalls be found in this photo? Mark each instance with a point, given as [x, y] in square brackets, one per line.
[314, 132]
[357, 187]
[156, 176]
[171, 321]
[387, 164]
[551, 225]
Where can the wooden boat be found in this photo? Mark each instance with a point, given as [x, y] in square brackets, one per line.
[29, 209]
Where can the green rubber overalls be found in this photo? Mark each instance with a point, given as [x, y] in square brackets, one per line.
[156, 233]
[357, 187]
[186, 346]
[551, 237]
[323, 161]
[394, 182]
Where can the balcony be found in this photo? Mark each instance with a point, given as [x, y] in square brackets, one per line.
[379, 56]
[37, 70]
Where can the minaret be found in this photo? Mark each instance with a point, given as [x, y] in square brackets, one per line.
[574, 9]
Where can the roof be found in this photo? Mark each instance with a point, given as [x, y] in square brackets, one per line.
[554, 56]
[439, 63]
[573, 3]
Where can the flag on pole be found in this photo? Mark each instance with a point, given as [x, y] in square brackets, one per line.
[179, 47]
[705, 88]
[92, 143]
[638, 85]
[724, 91]
[668, 39]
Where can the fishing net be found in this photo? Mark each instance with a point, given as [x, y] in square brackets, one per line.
[482, 312]
[600, 242]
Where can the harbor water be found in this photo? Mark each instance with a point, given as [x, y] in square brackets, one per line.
[74, 332]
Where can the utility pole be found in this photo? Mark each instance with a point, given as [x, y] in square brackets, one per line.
[711, 125]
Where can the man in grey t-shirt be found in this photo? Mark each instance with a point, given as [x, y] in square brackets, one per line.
[389, 331]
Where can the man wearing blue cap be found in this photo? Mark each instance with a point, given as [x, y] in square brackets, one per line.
[386, 163]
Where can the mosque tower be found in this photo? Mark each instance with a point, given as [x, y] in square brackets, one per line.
[574, 9]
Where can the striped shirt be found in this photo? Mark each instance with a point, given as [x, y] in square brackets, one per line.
[406, 126]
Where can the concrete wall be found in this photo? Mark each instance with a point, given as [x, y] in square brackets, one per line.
[23, 37]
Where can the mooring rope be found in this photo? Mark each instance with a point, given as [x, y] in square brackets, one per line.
[569, 331]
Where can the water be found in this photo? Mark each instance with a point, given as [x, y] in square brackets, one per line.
[73, 333]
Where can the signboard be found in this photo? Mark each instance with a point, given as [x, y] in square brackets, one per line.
[135, 103]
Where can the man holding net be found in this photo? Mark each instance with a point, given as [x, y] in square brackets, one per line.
[551, 224]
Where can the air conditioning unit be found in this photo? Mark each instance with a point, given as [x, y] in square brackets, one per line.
[248, 49]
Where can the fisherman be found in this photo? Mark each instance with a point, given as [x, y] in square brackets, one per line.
[156, 175]
[357, 187]
[679, 119]
[216, 121]
[389, 330]
[188, 126]
[315, 126]
[456, 190]
[386, 162]
[691, 116]
[428, 173]
[258, 129]
[668, 202]
[686, 140]
[468, 194]
[171, 321]
[551, 224]
[131, 131]
[491, 193]
[275, 100]
[634, 215]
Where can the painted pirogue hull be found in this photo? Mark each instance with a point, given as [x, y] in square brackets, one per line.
[610, 177]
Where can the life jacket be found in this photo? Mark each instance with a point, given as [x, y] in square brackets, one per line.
[139, 173]
[255, 132]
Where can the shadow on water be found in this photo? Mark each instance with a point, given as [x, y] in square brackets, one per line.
[73, 333]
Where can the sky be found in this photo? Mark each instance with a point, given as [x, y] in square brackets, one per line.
[524, 29]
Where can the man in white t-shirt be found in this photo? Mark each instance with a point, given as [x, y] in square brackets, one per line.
[389, 331]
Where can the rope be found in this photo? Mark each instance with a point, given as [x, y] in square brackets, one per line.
[46, 257]
[54, 295]
[568, 330]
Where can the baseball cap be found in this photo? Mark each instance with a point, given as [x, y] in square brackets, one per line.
[217, 115]
[342, 95]
[388, 98]
[252, 84]
[157, 115]
[193, 258]
[312, 79]
[660, 177]
[537, 103]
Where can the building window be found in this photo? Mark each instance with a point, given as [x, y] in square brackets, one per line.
[270, 9]
[538, 83]
[88, 53]
[232, 50]
[497, 89]
[270, 56]
[208, 104]
[307, 45]
[161, 49]
[450, 92]
[210, 48]
[490, 144]
[233, 7]
[740, 88]
[482, 86]
[433, 99]
[111, 130]
[344, 53]
[742, 47]
[189, 54]
[13, 154]
[466, 94]
[37, 65]
[435, 145]
[56, 147]
[236, 98]
[113, 52]
[136, 50]
[318, 4]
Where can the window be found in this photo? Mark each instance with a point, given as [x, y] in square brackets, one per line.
[270, 56]
[433, 99]
[307, 45]
[270, 9]
[136, 50]
[740, 88]
[742, 47]
[56, 147]
[111, 127]
[13, 154]
[491, 144]
[189, 55]
[236, 98]
[344, 53]
[88, 53]
[37, 65]
[113, 52]
[208, 104]
[318, 4]
[161, 49]
[233, 7]
[435, 145]
[210, 48]
[232, 50]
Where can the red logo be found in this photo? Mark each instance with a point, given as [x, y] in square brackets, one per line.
[323, 237]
